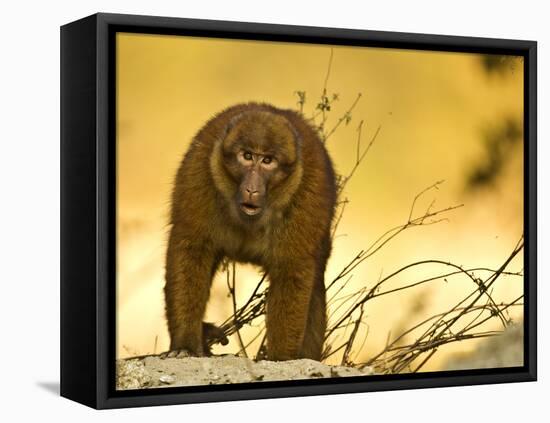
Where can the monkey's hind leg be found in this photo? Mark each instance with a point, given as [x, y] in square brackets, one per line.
[212, 334]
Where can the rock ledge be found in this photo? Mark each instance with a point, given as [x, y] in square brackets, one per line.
[154, 372]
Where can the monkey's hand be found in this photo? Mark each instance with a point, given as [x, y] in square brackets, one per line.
[175, 354]
[211, 334]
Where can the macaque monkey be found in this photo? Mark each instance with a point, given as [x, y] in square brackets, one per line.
[255, 186]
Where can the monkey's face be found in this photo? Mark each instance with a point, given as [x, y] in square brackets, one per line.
[260, 152]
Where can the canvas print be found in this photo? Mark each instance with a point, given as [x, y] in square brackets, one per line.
[289, 211]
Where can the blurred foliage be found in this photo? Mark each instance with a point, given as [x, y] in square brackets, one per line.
[500, 140]
[498, 65]
[500, 143]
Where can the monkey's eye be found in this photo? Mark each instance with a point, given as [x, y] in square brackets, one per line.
[247, 155]
[267, 160]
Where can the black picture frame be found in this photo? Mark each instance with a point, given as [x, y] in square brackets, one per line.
[88, 210]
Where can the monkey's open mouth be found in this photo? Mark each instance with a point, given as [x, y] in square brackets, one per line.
[250, 209]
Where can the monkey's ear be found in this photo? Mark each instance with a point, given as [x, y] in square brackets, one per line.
[297, 139]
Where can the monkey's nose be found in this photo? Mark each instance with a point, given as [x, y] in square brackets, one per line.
[252, 193]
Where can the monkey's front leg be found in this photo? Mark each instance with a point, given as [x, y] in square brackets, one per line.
[189, 272]
[288, 301]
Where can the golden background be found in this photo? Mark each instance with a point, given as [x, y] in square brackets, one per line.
[434, 108]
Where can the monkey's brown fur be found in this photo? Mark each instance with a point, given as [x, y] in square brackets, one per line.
[256, 186]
